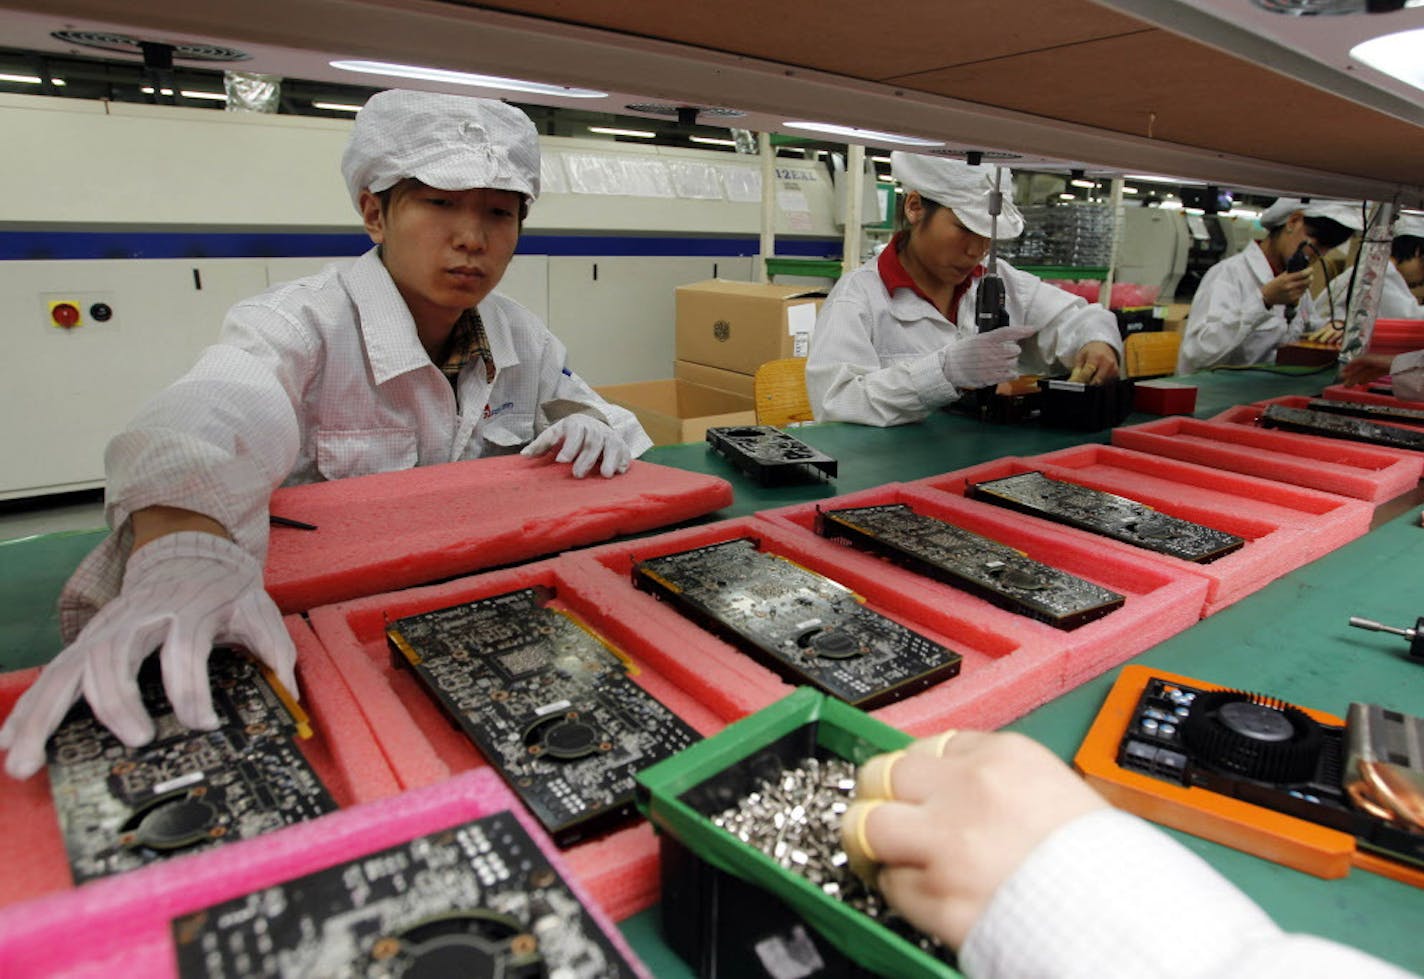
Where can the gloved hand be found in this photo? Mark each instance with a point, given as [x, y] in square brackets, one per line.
[183, 592]
[585, 439]
[985, 358]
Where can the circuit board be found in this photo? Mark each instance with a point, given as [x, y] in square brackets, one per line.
[1373, 412]
[805, 626]
[993, 571]
[476, 900]
[769, 455]
[120, 808]
[1340, 427]
[547, 703]
[1106, 514]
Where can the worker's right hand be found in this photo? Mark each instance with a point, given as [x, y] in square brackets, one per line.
[984, 358]
[183, 592]
[941, 825]
[1366, 368]
[1286, 288]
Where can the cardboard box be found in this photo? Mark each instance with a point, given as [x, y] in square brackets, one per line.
[673, 411]
[715, 378]
[1174, 316]
[738, 326]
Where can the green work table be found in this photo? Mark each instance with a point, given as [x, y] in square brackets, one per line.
[1290, 639]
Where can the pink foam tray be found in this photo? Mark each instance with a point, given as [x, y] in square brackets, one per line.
[1333, 465]
[120, 926]
[1249, 415]
[1042, 661]
[1340, 392]
[345, 757]
[1009, 666]
[422, 745]
[397, 529]
[1284, 526]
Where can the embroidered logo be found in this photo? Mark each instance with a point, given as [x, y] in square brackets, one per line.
[722, 330]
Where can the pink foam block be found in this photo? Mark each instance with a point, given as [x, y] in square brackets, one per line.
[392, 530]
[1043, 661]
[120, 926]
[1249, 415]
[1361, 395]
[1283, 526]
[345, 757]
[1333, 465]
[423, 746]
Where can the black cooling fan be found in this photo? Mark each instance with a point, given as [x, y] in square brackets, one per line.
[1256, 736]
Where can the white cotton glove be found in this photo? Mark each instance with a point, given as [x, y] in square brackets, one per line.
[585, 440]
[984, 358]
[183, 592]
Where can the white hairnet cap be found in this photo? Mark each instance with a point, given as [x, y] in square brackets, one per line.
[1347, 213]
[963, 189]
[1409, 224]
[1277, 214]
[449, 142]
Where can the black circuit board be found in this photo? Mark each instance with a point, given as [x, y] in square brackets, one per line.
[1257, 749]
[993, 571]
[1373, 412]
[1340, 427]
[546, 702]
[1106, 514]
[120, 808]
[803, 625]
[769, 455]
[476, 900]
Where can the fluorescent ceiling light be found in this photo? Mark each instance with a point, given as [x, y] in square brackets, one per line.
[1397, 55]
[610, 131]
[1129, 190]
[880, 159]
[713, 141]
[465, 78]
[1154, 178]
[868, 135]
[210, 96]
[1090, 184]
[1067, 197]
[21, 79]
[148, 90]
[1170, 205]
[336, 106]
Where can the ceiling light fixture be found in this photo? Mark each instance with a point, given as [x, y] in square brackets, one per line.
[1089, 184]
[1397, 55]
[868, 135]
[713, 141]
[611, 131]
[336, 107]
[465, 78]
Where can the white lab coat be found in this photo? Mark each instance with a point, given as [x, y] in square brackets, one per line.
[1230, 324]
[1396, 301]
[324, 378]
[1110, 897]
[874, 358]
[1406, 374]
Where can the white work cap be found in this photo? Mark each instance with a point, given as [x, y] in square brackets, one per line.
[1347, 213]
[962, 188]
[449, 142]
[1279, 212]
[1411, 225]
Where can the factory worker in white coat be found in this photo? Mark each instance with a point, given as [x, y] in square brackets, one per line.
[1404, 272]
[1247, 304]
[896, 338]
[404, 357]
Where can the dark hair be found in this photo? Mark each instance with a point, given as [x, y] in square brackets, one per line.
[384, 196]
[1406, 247]
[1327, 233]
[901, 221]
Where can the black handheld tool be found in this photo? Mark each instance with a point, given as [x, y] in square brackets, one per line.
[990, 312]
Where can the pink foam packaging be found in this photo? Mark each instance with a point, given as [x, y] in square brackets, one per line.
[397, 529]
[120, 926]
[1044, 661]
[1249, 416]
[1333, 465]
[1284, 526]
[1340, 392]
[424, 747]
[351, 766]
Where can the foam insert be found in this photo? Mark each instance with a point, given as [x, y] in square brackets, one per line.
[351, 766]
[1284, 526]
[1361, 395]
[1351, 469]
[423, 747]
[120, 926]
[1044, 661]
[393, 530]
[1247, 415]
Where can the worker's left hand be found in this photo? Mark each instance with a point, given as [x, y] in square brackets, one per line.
[1365, 368]
[1096, 363]
[585, 440]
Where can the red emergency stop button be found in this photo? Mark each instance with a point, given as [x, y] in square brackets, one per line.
[65, 315]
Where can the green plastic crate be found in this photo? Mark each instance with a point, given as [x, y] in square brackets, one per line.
[680, 794]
